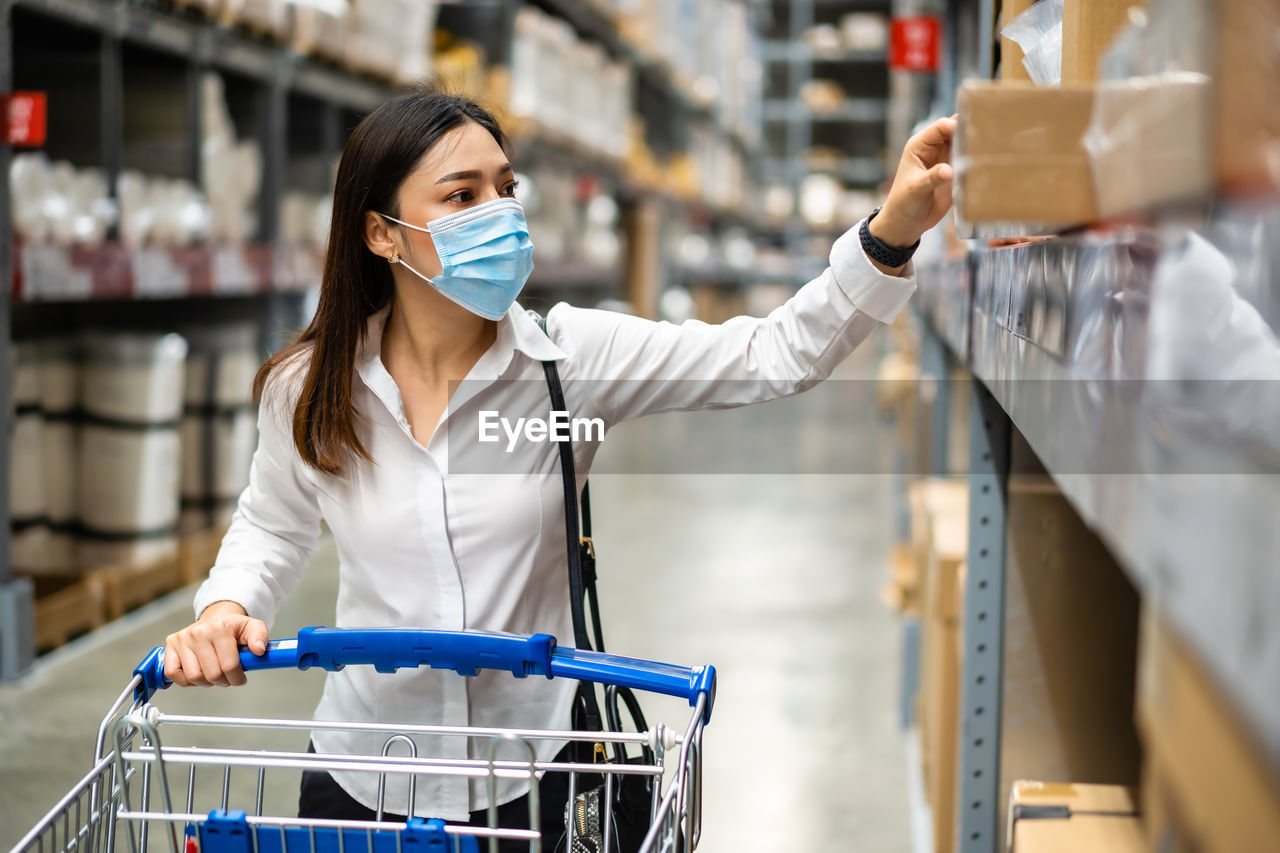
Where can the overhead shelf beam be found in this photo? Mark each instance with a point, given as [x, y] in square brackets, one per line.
[787, 51]
[853, 110]
[855, 170]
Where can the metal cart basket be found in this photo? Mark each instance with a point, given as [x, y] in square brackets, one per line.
[140, 795]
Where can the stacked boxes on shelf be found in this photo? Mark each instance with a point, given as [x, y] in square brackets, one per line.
[219, 432]
[1147, 116]
[101, 455]
[567, 87]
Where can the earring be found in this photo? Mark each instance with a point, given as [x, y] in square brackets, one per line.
[395, 257]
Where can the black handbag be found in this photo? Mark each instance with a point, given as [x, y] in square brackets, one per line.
[633, 795]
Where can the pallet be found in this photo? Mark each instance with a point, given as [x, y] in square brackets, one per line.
[131, 585]
[67, 606]
[128, 586]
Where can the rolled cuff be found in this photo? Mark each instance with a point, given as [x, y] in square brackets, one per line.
[872, 292]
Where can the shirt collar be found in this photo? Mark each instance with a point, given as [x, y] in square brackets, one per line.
[517, 331]
[527, 337]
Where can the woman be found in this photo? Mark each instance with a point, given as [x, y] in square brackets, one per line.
[363, 423]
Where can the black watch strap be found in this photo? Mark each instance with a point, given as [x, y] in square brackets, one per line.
[878, 250]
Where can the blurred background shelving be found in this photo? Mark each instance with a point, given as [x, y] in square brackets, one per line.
[181, 198]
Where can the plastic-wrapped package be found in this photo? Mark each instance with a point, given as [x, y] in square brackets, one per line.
[28, 505]
[1229, 135]
[218, 428]
[58, 203]
[304, 219]
[59, 397]
[1038, 32]
[130, 450]
[865, 31]
[1149, 141]
[318, 26]
[392, 38]
[230, 171]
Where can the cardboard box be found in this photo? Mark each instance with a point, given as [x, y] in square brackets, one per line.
[940, 525]
[1048, 817]
[1246, 67]
[1021, 156]
[1088, 28]
[1070, 645]
[1072, 155]
[1011, 67]
[939, 714]
[1161, 823]
[1150, 142]
[1207, 766]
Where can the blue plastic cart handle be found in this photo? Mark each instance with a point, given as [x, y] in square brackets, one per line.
[465, 652]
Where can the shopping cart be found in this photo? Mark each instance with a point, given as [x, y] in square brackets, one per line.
[140, 793]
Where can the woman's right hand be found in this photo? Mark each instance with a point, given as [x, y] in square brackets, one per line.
[206, 653]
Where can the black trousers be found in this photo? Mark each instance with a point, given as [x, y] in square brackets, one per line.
[322, 797]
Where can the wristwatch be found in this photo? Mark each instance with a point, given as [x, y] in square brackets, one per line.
[878, 250]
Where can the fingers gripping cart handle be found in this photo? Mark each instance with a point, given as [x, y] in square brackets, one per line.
[465, 652]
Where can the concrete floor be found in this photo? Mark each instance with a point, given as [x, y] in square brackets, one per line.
[773, 578]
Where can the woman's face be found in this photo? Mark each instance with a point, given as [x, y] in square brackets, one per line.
[465, 168]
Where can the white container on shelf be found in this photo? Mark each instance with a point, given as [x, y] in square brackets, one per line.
[59, 396]
[130, 451]
[29, 543]
[219, 430]
[864, 31]
[526, 60]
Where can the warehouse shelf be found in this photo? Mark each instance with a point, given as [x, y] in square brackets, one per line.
[853, 110]
[575, 275]
[786, 51]
[1154, 419]
[222, 48]
[854, 170]
[115, 271]
[592, 23]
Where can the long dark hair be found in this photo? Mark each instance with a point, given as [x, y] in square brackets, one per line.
[382, 151]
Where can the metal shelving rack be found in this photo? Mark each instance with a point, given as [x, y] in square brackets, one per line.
[1067, 340]
[798, 121]
[280, 86]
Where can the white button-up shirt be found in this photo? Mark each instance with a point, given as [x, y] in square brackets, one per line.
[463, 535]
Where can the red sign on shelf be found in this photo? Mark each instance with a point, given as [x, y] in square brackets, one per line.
[915, 43]
[26, 116]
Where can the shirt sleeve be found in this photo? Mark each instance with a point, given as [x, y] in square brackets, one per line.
[276, 524]
[630, 367]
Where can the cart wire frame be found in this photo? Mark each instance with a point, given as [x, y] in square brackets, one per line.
[128, 796]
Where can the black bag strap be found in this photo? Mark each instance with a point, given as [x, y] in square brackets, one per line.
[582, 582]
[577, 545]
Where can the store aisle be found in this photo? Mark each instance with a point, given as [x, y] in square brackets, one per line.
[774, 578]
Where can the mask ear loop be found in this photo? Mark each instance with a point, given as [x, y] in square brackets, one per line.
[395, 254]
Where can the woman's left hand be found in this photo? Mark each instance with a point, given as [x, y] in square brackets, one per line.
[921, 191]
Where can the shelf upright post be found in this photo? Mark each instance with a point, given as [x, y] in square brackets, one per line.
[983, 672]
[195, 70]
[111, 117]
[799, 72]
[17, 598]
[280, 315]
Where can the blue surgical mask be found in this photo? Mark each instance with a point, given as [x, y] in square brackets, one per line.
[485, 256]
